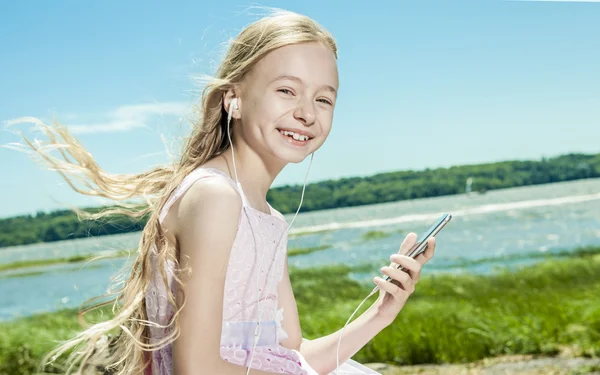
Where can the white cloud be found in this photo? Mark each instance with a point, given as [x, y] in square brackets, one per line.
[129, 117]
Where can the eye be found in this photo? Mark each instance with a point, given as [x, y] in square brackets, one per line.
[286, 91]
[326, 101]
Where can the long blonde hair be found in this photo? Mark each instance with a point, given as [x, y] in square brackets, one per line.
[207, 140]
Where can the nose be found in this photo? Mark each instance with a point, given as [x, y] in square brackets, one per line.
[305, 112]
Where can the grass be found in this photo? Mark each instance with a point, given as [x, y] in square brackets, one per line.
[450, 318]
[375, 235]
[462, 318]
[22, 274]
[464, 262]
[587, 370]
[25, 341]
[299, 234]
[118, 254]
[48, 262]
[306, 250]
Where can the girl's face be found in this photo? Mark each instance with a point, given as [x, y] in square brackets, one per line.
[291, 90]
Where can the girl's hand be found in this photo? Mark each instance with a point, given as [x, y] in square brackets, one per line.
[393, 297]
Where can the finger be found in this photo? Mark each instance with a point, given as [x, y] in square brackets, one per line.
[409, 265]
[409, 242]
[388, 287]
[399, 278]
[426, 255]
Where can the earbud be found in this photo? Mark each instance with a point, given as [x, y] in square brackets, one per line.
[234, 103]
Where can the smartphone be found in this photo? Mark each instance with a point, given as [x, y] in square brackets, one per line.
[421, 243]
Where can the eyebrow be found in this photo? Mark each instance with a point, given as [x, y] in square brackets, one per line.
[297, 79]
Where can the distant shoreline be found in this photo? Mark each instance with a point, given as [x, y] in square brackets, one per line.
[346, 192]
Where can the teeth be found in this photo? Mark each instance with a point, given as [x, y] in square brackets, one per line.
[297, 137]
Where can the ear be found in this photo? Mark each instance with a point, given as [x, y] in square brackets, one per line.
[227, 98]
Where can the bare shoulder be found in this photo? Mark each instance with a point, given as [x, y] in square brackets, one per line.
[208, 200]
[209, 192]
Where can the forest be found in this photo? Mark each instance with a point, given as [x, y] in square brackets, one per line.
[328, 194]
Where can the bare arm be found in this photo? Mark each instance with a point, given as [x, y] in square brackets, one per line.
[320, 353]
[206, 223]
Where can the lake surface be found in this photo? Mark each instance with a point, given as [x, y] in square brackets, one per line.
[502, 228]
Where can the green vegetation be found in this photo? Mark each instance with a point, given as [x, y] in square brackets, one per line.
[395, 186]
[306, 250]
[345, 192]
[449, 319]
[375, 235]
[462, 318]
[464, 262]
[298, 234]
[117, 254]
[63, 225]
[48, 262]
[25, 341]
[588, 369]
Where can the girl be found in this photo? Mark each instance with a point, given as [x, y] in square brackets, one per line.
[211, 262]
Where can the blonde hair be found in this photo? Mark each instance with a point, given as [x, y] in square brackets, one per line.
[208, 139]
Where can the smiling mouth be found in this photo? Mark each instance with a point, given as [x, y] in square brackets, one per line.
[294, 138]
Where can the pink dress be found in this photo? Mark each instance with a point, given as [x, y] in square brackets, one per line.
[258, 233]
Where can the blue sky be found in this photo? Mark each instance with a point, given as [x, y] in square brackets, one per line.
[424, 84]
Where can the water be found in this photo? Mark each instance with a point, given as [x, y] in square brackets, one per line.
[511, 222]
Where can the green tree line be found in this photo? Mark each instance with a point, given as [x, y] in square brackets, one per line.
[345, 192]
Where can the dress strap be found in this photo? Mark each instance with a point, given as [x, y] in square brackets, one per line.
[189, 180]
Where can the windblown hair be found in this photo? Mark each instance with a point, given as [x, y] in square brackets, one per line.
[128, 325]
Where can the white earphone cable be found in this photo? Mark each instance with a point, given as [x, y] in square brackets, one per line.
[260, 308]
